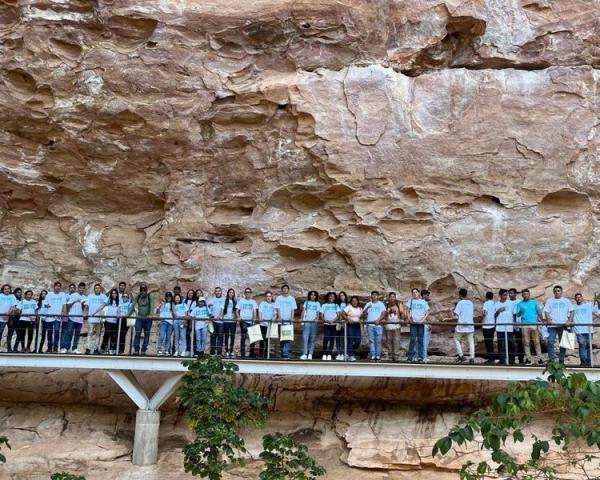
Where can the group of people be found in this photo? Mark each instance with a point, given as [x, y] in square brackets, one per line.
[53, 321]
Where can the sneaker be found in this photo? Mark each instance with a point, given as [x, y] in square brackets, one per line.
[324, 357]
[87, 351]
[377, 359]
[352, 358]
[111, 352]
[328, 357]
[303, 357]
[527, 361]
[339, 357]
[309, 356]
[63, 350]
[76, 352]
[471, 361]
[96, 352]
[540, 362]
[460, 359]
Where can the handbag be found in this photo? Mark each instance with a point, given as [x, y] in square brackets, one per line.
[255, 334]
[568, 340]
[273, 332]
[286, 333]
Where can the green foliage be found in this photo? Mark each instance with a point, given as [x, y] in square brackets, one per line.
[3, 441]
[66, 476]
[216, 410]
[287, 460]
[571, 400]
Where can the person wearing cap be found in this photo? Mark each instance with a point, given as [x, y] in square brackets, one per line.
[143, 304]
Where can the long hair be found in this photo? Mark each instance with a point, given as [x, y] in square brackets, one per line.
[310, 293]
[113, 301]
[329, 294]
[227, 301]
[191, 300]
[43, 294]
[339, 298]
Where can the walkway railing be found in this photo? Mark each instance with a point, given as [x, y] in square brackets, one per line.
[123, 334]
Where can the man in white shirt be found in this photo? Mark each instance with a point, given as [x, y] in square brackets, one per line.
[56, 301]
[375, 314]
[464, 326]
[559, 316]
[489, 327]
[504, 329]
[518, 334]
[247, 309]
[74, 308]
[418, 311]
[583, 316]
[216, 305]
[285, 306]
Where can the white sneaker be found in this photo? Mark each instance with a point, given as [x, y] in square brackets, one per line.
[329, 357]
[303, 357]
[309, 357]
[111, 352]
[76, 352]
[352, 358]
[63, 350]
[324, 357]
[340, 357]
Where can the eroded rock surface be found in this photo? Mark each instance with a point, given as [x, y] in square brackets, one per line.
[327, 144]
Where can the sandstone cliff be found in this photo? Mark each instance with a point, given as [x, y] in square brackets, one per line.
[347, 145]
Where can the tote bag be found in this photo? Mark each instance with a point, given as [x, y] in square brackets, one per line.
[273, 332]
[254, 334]
[568, 340]
[287, 333]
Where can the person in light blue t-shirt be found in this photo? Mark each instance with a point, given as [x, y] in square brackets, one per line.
[330, 314]
[266, 315]
[200, 312]
[180, 314]
[247, 314]
[309, 314]
[583, 317]
[286, 306]
[165, 328]
[374, 313]
[216, 305]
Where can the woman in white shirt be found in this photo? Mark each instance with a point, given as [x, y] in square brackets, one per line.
[351, 315]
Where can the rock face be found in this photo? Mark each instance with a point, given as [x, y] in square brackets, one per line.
[346, 145]
[358, 428]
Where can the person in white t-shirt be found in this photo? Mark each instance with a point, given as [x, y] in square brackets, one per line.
[94, 304]
[559, 317]
[374, 314]
[8, 305]
[329, 314]
[418, 311]
[285, 306]
[55, 304]
[266, 316]
[309, 315]
[489, 327]
[464, 327]
[72, 330]
[583, 316]
[247, 313]
[503, 313]
[351, 315]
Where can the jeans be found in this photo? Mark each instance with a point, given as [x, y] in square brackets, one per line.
[488, 339]
[309, 337]
[2, 327]
[417, 337]
[458, 337]
[353, 334]
[375, 334]
[285, 346]
[553, 333]
[506, 343]
[229, 328]
[339, 339]
[329, 335]
[216, 339]
[426, 339]
[179, 336]
[164, 337]
[200, 339]
[52, 331]
[584, 340]
[145, 325]
[70, 335]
